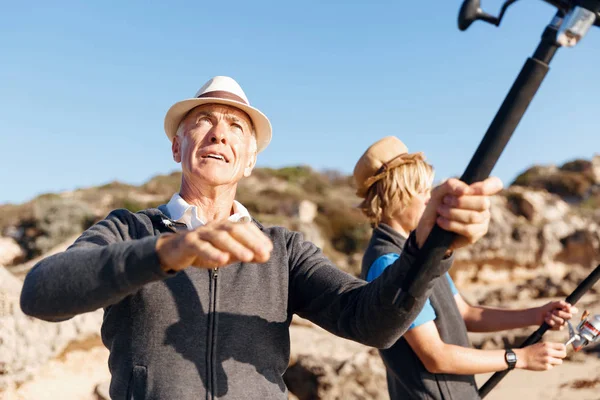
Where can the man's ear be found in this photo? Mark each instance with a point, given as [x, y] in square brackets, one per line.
[176, 148]
[251, 164]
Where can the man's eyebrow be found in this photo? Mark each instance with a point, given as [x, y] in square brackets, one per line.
[203, 114]
[228, 117]
[235, 118]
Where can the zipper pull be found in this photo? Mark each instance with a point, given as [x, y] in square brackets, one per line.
[215, 273]
[169, 225]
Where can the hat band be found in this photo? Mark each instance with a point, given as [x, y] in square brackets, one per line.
[401, 159]
[223, 94]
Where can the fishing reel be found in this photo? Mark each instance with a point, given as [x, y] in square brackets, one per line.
[586, 332]
[578, 17]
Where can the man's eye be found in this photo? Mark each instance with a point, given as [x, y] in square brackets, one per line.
[203, 120]
[237, 127]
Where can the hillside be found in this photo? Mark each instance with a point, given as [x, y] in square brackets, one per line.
[319, 204]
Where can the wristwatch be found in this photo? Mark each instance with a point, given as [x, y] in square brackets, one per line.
[511, 359]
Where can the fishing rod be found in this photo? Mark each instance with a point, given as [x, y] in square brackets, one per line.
[572, 21]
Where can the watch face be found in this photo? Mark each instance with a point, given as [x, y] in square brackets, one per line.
[511, 358]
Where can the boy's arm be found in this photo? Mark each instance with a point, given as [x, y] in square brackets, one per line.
[441, 358]
[489, 319]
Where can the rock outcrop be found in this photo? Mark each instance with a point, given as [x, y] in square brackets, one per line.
[10, 252]
[531, 231]
[325, 367]
[27, 343]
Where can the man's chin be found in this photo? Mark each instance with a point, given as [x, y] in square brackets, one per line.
[212, 177]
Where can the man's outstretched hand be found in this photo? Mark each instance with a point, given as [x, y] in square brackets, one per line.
[459, 208]
[214, 245]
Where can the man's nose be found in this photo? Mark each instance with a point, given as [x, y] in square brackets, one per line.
[219, 133]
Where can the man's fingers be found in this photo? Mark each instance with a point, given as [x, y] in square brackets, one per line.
[473, 203]
[207, 255]
[223, 241]
[229, 242]
[455, 187]
[452, 186]
[471, 231]
[487, 187]
[464, 216]
[252, 238]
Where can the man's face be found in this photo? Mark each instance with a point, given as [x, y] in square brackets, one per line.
[215, 145]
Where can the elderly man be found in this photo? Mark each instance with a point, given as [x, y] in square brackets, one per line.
[178, 326]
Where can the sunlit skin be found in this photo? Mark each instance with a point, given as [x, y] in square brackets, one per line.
[405, 219]
[216, 148]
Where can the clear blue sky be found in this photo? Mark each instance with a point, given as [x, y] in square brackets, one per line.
[85, 85]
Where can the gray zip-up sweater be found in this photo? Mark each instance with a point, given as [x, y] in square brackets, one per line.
[205, 334]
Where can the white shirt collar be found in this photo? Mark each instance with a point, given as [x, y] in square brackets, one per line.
[181, 211]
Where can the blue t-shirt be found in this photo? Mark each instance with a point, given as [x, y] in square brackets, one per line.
[427, 313]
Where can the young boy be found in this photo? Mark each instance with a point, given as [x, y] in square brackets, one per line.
[434, 360]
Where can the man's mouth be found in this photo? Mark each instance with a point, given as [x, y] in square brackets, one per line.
[215, 156]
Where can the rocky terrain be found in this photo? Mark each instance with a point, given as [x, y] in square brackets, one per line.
[543, 240]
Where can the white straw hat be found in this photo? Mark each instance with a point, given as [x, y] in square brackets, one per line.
[220, 90]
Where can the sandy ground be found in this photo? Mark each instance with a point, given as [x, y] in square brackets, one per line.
[573, 380]
[73, 376]
[84, 369]
[76, 373]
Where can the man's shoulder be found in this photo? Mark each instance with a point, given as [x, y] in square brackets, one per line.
[124, 214]
[147, 218]
[293, 241]
[274, 231]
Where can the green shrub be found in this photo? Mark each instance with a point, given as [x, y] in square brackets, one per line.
[346, 228]
[305, 177]
[115, 186]
[579, 165]
[163, 184]
[54, 220]
[568, 183]
[134, 205]
[591, 203]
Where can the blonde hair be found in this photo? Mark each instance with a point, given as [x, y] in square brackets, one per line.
[396, 189]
